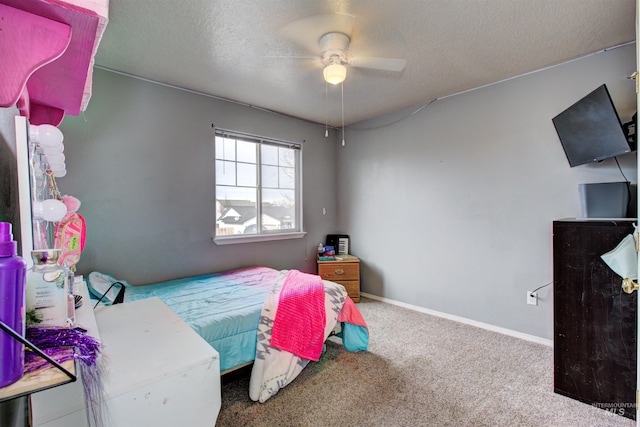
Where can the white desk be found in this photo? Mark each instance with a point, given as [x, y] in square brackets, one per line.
[156, 372]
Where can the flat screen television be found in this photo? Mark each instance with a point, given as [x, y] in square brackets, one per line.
[590, 130]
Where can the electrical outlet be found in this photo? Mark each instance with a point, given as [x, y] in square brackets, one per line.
[532, 298]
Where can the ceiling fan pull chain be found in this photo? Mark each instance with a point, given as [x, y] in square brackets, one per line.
[326, 112]
[342, 102]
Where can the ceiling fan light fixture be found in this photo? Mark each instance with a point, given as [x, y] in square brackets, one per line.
[335, 73]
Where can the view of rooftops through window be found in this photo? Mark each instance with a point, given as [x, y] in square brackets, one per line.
[256, 186]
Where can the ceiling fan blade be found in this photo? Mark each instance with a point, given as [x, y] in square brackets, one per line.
[384, 64]
[314, 58]
[306, 32]
[313, 61]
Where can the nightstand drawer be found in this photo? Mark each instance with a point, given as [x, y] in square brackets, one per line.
[345, 271]
[337, 272]
[352, 287]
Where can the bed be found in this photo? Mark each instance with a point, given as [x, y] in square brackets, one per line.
[234, 312]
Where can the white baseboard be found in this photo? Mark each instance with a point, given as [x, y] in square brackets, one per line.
[464, 320]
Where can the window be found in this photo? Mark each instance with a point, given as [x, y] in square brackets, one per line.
[258, 186]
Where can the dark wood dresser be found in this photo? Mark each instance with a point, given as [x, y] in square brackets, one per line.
[594, 320]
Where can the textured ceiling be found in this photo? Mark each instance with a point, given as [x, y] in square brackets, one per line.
[237, 49]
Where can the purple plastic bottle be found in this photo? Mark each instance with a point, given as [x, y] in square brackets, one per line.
[13, 272]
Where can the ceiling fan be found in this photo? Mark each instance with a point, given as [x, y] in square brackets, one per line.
[329, 37]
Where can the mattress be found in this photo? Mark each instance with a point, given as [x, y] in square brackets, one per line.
[223, 308]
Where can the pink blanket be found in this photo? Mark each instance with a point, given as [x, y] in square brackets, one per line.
[300, 318]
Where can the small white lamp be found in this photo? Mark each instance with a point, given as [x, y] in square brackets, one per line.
[52, 151]
[57, 165]
[59, 173]
[45, 135]
[623, 260]
[51, 210]
[56, 158]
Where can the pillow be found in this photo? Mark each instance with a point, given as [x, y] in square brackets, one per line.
[110, 289]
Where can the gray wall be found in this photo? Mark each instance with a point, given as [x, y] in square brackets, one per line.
[451, 208]
[140, 159]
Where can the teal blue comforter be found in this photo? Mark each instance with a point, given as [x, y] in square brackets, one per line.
[223, 308]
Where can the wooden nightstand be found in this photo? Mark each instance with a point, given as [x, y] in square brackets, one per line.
[345, 269]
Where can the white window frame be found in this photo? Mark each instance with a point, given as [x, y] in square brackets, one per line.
[262, 235]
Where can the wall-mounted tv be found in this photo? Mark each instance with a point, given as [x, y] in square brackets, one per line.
[590, 130]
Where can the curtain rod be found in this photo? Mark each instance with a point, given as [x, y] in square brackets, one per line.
[235, 133]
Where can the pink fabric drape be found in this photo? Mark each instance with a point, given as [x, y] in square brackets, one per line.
[300, 318]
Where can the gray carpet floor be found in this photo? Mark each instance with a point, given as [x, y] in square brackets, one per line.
[419, 370]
